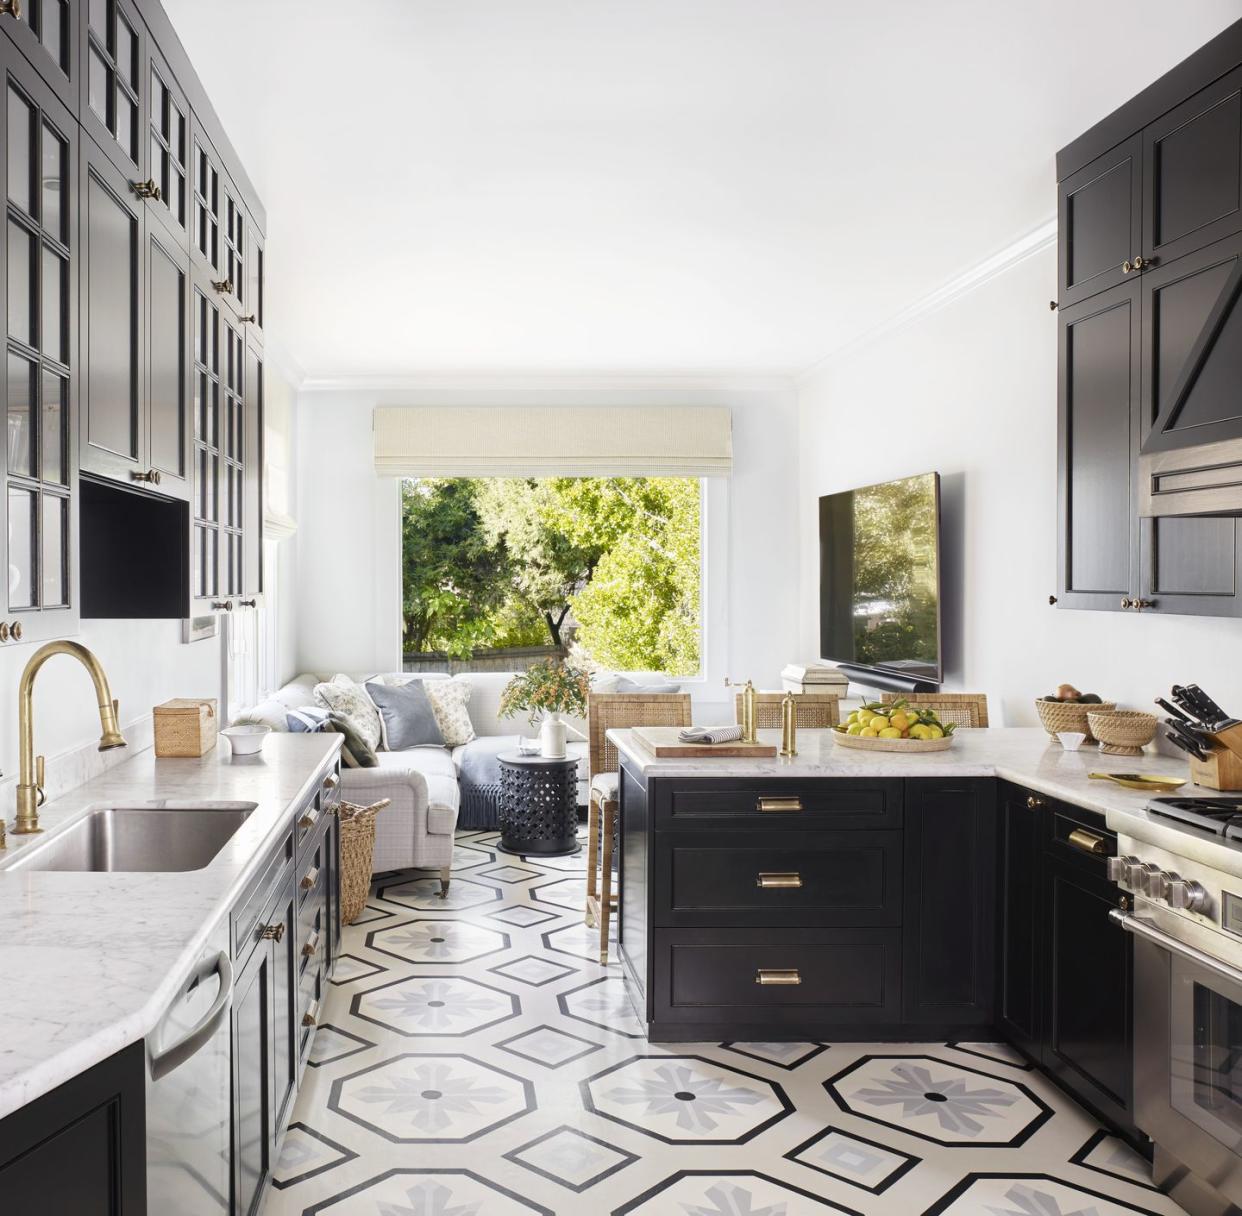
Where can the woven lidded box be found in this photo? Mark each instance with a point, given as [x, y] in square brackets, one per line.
[185, 726]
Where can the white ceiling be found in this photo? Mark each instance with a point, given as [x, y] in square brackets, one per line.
[648, 185]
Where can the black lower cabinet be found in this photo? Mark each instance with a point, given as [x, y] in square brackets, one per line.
[82, 1148]
[1019, 1000]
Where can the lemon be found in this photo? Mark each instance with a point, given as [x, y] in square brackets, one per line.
[879, 721]
[899, 720]
[868, 733]
[852, 718]
[935, 732]
[890, 732]
[920, 731]
[854, 728]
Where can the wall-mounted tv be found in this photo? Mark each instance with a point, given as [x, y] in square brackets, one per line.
[879, 583]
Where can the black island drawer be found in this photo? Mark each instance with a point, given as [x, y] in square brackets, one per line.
[780, 804]
[806, 878]
[839, 976]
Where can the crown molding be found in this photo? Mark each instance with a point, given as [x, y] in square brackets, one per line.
[1039, 238]
[517, 381]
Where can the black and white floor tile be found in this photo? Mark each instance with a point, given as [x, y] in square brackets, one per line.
[477, 1060]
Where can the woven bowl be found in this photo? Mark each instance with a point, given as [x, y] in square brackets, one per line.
[1122, 732]
[1069, 715]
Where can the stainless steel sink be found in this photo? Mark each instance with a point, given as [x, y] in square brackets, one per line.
[138, 839]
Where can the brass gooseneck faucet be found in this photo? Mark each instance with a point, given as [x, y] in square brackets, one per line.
[30, 795]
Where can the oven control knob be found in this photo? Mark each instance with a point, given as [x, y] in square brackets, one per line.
[1157, 882]
[1134, 871]
[1186, 896]
[1116, 867]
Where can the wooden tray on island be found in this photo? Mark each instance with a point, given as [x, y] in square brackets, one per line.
[892, 745]
[663, 743]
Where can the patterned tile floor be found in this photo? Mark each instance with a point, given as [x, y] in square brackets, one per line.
[478, 1061]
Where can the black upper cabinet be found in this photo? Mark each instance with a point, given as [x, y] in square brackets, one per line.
[1099, 213]
[113, 109]
[1098, 399]
[39, 263]
[47, 31]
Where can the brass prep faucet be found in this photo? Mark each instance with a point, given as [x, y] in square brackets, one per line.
[30, 794]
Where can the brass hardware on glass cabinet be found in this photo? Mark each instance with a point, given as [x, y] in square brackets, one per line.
[248, 319]
[774, 881]
[309, 819]
[1033, 803]
[273, 933]
[1087, 842]
[1052, 599]
[222, 605]
[11, 8]
[151, 476]
[311, 1016]
[15, 631]
[1141, 604]
[223, 285]
[1127, 603]
[1127, 266]
[311, 944]
[1141, 263]
[309, 878]
[779, 806]
[778, 976]
[148, 189]
[1052, 305]
[247, 603]
[4, 631]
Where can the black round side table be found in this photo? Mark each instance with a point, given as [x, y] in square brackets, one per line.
[538, 807]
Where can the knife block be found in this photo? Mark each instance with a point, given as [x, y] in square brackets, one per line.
[1222, 770]
[1231, 737]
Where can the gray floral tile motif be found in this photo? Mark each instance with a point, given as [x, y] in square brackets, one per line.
[571, 1158]
[305, 1154]
[510, 874]
[1113, 1156]
[862, 1163]
[435, 1005]
[548, 1046]
[685, 1100]
[428, 1193]
[424, 894]
[602, 1003]
[350, 968]
[784, 1055]
[466, 857]
[931, 1098]
[726, 1193]
[565, 892]
[331, 1043]
[437, 1099]
[1035, 1195]
[522, 916]
[581, 940]
[437, 941]
[533, 970]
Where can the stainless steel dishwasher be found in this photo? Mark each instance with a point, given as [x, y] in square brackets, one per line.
[188, 1092]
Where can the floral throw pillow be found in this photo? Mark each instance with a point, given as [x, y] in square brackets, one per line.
[449, 699]
[350, 701]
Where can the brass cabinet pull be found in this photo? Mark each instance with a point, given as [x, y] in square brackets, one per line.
[273, 933]
[312, 944]
[1087, 842]
[308, 819]
[331, 781]
[11, 8]
[778, 976]
[774, 881]
[777, 806]
[222, 605]
[248, 319]
[308, 879]
[223, 285]
[1033, 803]
[311, 1016]
[148, 189]
[247, 603]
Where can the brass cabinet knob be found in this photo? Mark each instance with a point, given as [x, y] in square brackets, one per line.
[1142, 263]
[11, 8]
[4, 631]
[248, 319]
[148, 189]
[1127, 603]
[331, 781]
[273, 933]
[311, 944]
[1127, 266]
[309, 819]
[1033, 803]
[1141, 604]
[222, 605]
[310, 878]
[15, 630]
[311, 1016]
[223, 285]
[247, 603]
[151, 476]
[1052, 599]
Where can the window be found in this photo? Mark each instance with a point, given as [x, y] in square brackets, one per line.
[500, 572]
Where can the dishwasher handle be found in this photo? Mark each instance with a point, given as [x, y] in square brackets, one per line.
[173, 1056]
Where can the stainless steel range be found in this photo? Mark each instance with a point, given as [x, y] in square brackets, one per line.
[1186, 918]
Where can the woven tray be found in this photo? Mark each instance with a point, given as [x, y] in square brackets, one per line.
[893, 745]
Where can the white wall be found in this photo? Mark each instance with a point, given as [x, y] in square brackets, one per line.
[970, 390]
[349, 545]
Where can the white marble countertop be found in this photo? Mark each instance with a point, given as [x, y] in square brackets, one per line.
[1024, 755]
[90, 962]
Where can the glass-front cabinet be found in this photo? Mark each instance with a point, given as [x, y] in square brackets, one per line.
[40, 273]
[46, 31]
[168, 166]
[114, 58]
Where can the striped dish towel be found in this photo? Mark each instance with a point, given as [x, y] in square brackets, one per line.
[710, 734]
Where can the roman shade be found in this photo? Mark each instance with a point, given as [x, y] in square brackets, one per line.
[553, 441]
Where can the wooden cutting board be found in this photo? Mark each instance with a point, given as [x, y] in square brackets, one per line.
[662, 742]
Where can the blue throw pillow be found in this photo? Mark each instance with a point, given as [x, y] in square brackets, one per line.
[407, 716]
[307, 720]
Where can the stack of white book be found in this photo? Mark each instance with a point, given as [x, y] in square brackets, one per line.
[814, 677]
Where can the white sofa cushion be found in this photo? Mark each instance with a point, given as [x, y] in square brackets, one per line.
[351, 701]
[437, 769]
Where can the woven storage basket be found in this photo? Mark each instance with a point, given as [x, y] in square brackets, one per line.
[1070, 715]
[185, 726]
[357, 853]
[1122, 732]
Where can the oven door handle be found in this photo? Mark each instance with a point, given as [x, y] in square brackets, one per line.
[1144, 928]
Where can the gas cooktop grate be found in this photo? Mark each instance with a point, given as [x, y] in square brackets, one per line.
[1222, 815]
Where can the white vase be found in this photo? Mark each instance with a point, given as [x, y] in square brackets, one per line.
[552, 737]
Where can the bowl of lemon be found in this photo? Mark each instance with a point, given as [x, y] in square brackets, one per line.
[899, 727]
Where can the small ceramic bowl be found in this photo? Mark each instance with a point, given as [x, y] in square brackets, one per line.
[1071, 740]
[246, 740]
